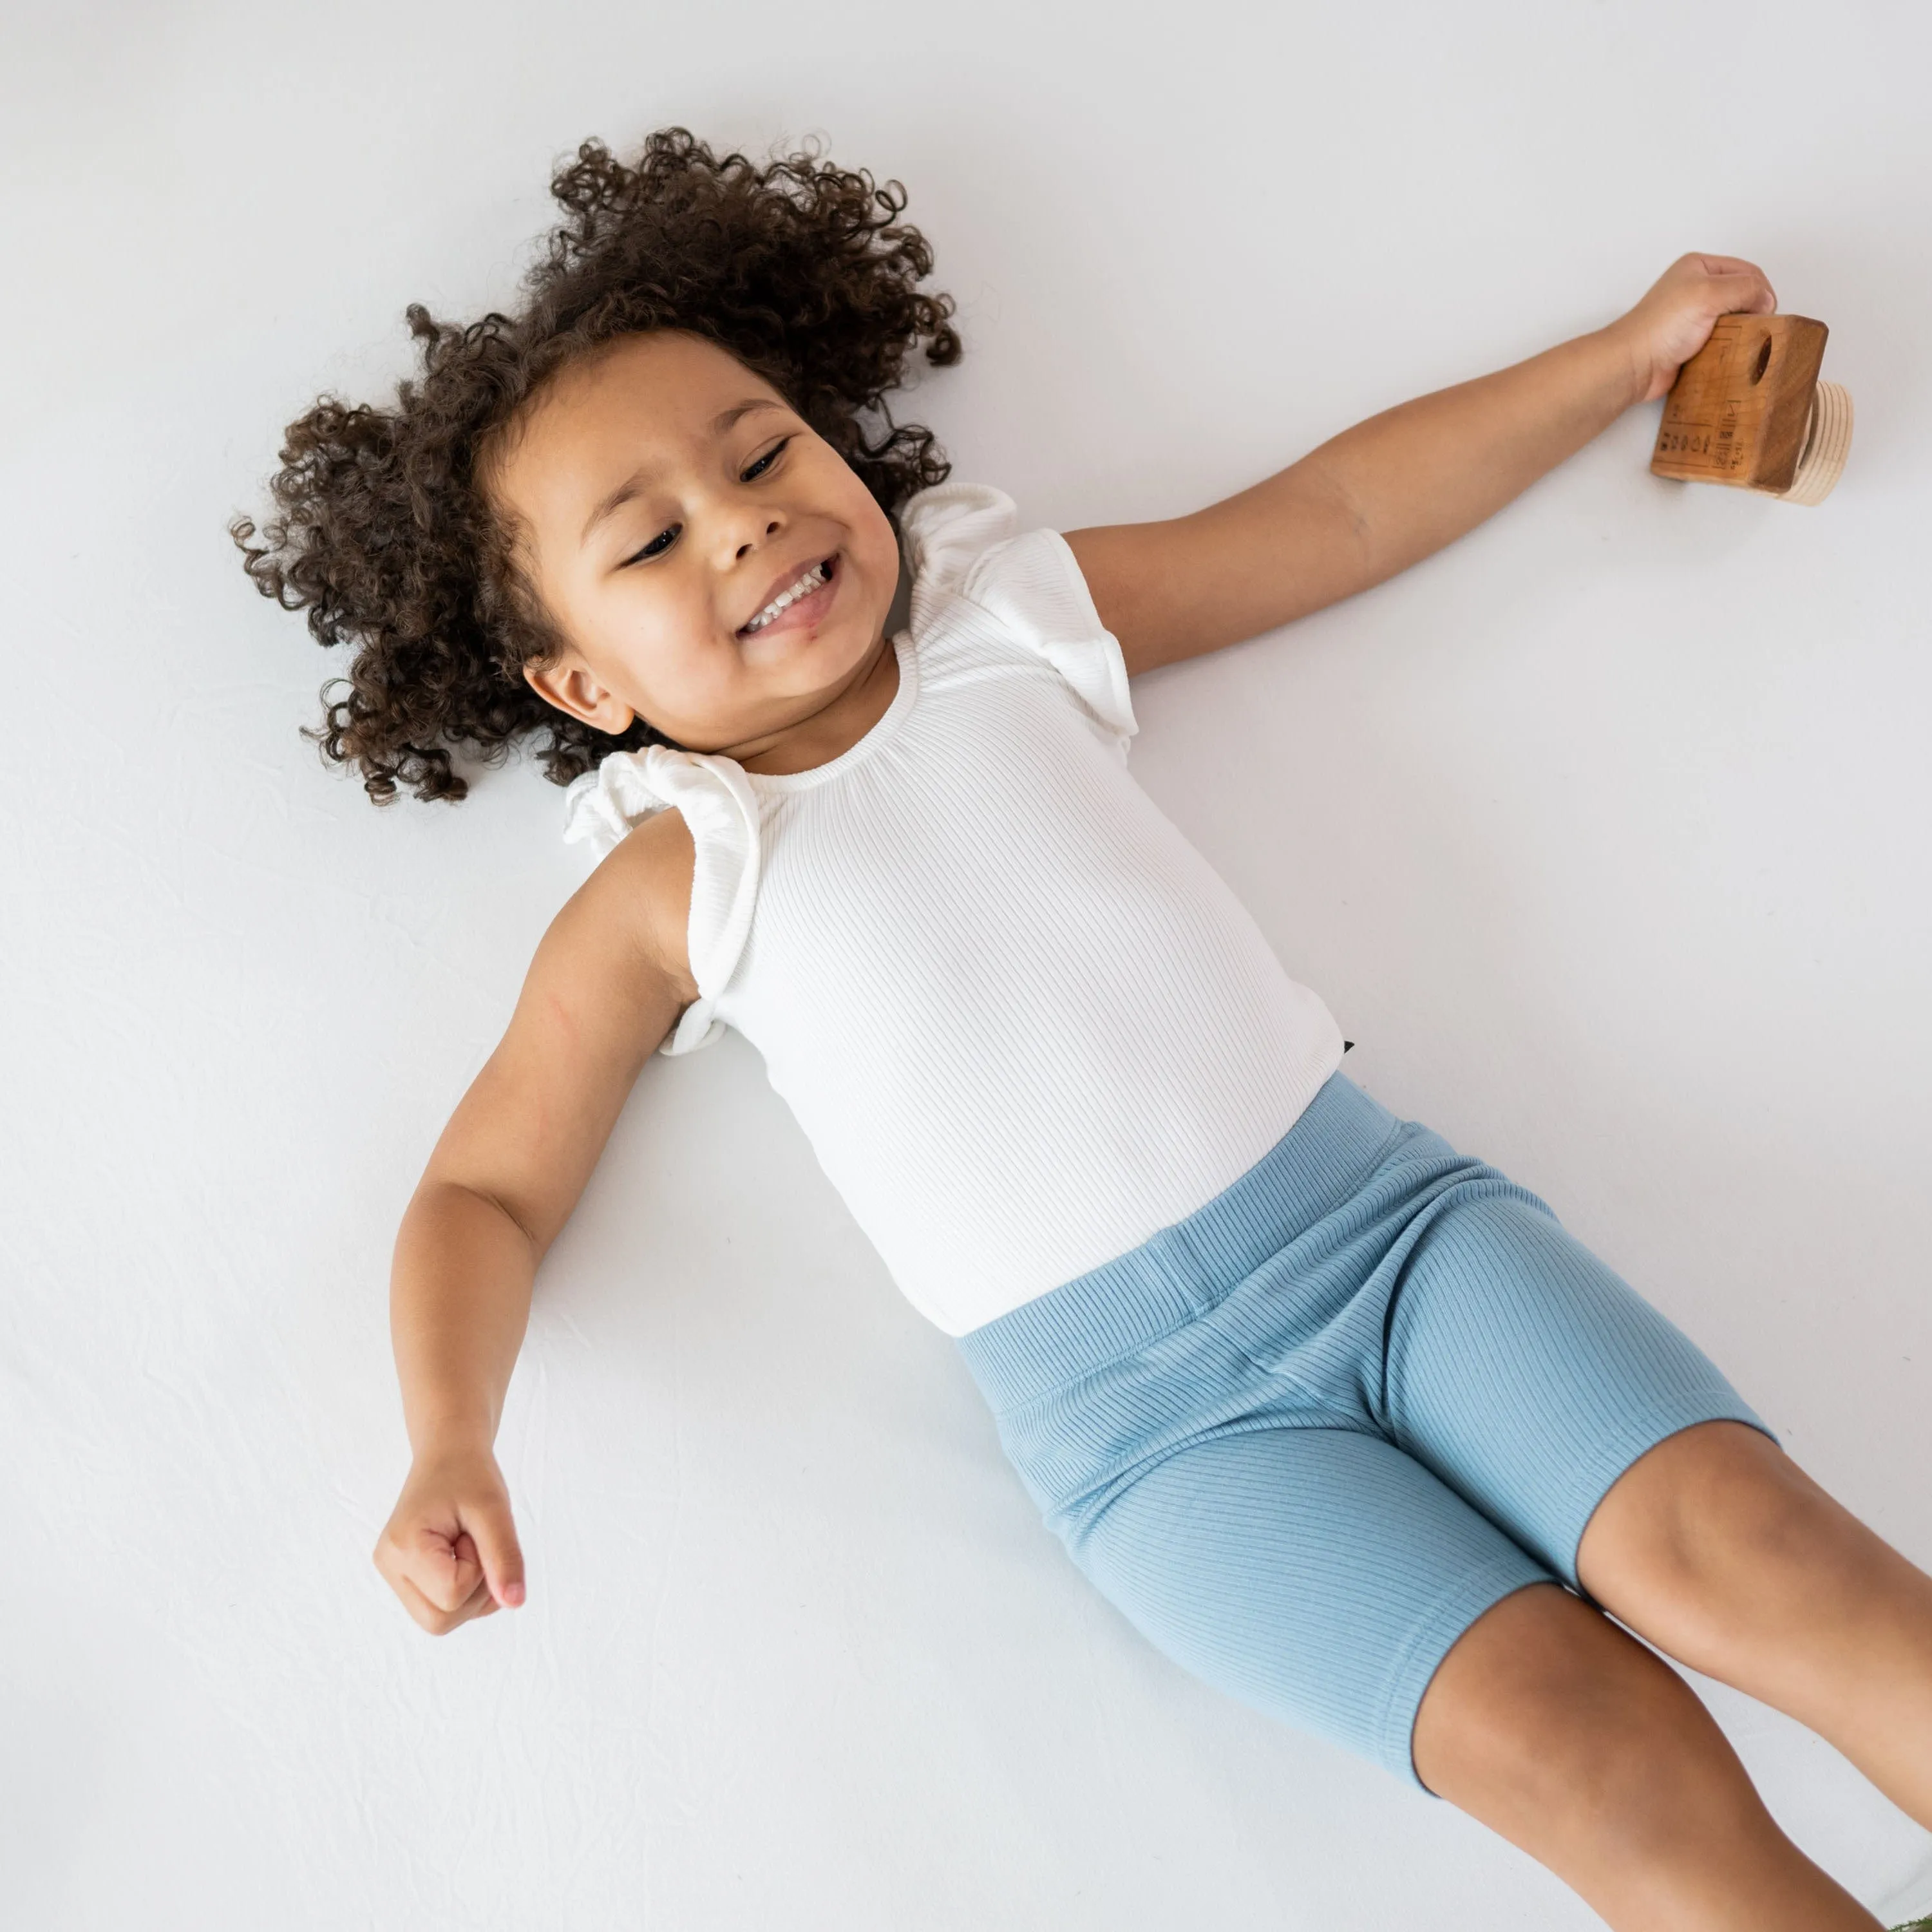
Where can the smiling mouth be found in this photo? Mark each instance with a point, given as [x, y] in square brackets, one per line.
[816, 578]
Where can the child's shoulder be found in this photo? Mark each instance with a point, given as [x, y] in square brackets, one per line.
[969, 556]
[637, 903]
[964, 543]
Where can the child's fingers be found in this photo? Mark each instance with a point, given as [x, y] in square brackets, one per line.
[1742, 287]
[1727, 264]
[435, 1557]
[1721, 284]
[444, 1571]
[1745, 291]
[438, 1621]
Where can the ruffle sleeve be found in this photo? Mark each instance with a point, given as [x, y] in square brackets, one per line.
[719, 804]
[947, 530]
[961, 542]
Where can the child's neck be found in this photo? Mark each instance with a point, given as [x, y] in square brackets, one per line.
[838, 727]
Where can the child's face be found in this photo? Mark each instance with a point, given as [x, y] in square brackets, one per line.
[667, 498]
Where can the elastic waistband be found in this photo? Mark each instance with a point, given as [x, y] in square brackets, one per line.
[1183, 1270]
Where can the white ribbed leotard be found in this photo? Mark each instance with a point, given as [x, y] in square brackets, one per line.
[1022, 1020]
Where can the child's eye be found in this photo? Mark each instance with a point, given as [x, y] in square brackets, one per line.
[658, 545]
[764, 462]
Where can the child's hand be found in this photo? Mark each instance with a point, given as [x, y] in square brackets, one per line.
[449, 1550]
[1674, 319]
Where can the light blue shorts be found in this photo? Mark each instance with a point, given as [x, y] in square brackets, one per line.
[1304, 1437]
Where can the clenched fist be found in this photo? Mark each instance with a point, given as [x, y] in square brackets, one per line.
[449, 1549]
[1674, 319]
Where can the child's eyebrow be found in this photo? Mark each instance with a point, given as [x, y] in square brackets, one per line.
[638, 478]
[631, 486]
[724, 418]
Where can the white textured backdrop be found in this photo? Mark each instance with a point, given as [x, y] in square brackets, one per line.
[1604, 834]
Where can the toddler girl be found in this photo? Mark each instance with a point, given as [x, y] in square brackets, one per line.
[1340, 1418]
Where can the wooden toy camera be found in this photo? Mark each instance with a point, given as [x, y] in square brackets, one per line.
[1748, 410]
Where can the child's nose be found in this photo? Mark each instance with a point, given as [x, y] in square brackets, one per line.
[772, 525]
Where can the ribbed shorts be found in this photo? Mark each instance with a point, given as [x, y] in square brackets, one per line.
[1304, 1437]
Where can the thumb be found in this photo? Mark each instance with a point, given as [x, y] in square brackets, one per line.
[495, 1533]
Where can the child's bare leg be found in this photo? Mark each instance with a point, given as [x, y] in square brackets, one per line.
[1563, 1734]
[1719, 1549]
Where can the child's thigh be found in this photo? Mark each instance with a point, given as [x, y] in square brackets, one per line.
[1318, 1574]
[1529, 1376]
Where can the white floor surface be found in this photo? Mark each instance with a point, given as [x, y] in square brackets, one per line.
[1605, 834]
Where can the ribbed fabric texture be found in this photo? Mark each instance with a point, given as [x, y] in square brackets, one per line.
[1305, 1437]
[1022, 1020]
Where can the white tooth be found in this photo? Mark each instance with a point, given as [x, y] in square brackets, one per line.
[810, 581]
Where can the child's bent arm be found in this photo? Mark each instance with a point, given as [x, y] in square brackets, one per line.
[601, 994]
[1390, 491]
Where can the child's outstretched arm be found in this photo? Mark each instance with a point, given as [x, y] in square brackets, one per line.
[1386, 493]
[601, 994]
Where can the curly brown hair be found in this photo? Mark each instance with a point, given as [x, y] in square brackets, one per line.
[383, 532]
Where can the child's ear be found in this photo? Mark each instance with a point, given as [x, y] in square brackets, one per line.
[568, 683]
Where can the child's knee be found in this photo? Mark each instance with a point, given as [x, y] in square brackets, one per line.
[1551, 1724]
[1714, 1510]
